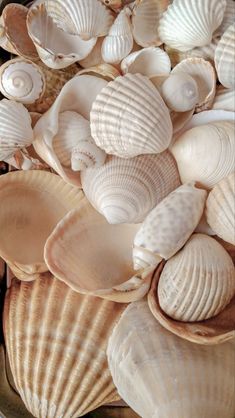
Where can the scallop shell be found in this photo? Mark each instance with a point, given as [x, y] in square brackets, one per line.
[86, 154]
[224, 99]
[220, 209]
[228, 19]
[160, 375]
[190, 23]
[34, 202]
[225, 58]
[147, 61]
[129, 118]
[180, 92]
[206, 153]
[168, 226]
[56, 341]
[125, 191]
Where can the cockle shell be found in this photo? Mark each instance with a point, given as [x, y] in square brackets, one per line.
[206, 153]
[125, 190]
[56, 341]
[220, 208]
[147, 61]
[224, 99]
[225, 58]
[190, 23]
[180, 92]
[160, 375]
[129, 118]
[168, 226]
[34, 202]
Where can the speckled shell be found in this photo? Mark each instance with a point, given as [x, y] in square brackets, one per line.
[147, 61]
[225, 58]
[224, 99]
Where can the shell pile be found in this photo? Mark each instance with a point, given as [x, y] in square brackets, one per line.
[117, 219]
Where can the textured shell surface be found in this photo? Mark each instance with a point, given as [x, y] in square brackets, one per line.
[87, 154]
[94, 57]
[56, 341]
[106, 71]
[147, 61]
[225, 58]
[198, 282]
[224, 99]
[228, 19]
[125, 190]
[220, 209]
[129, 118]
[169, 225]
[161, 375]
[180, 92]
[187, 24]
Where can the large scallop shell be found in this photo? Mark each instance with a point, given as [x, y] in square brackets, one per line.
[225, 58]
[147, 61]
[56, 341]
[129, 118]
[168, 226]
[161, 376]
[224, 99]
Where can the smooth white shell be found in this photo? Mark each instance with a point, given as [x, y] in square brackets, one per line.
[225, 58]
[147, 61]
[180, 92]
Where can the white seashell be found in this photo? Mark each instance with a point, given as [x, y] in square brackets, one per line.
[228, 19]
[119, 41]
[220, 209]
[180, 119]
[129, 118]
[225, 58]
[224, 99]
[94, 57]
[148, 61]
[168, 226]
[180, 92]
[125, 190]
[203, 226]
[106, 71]
[206, 153]
[190, 23]
[87, 154]
[161, 376]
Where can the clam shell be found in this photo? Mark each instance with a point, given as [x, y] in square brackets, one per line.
[180, 92]
[106, 71]
[56, 341]
[125, 190]
[220, 209]
[160, 375]
[34, 202]
[169, 225]
[225, 58]
[228, 19]
[224, 99]
[129, 118]
[188, 23]
[147, 61]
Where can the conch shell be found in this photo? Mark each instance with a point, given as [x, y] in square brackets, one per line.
[225, 58]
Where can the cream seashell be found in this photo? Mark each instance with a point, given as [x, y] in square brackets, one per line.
[180, 119]
[190, 23]
[148, 61]
[125, 190]
[129, 118]
[228, 19]
[94, 57]
[224, 99]
[220, 209]
[87, 154]
[206, 52]
[106, 71]
[160, 375]
[225, 58]
[34, 202]
[180, 92]
[206, 153]
[119, 41]
[56, 341]
[168, 226]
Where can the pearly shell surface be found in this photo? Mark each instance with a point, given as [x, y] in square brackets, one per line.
[228, 19]
[86, 154]
[147, 61]
[225, 58]
[180, 92]
[224, 99]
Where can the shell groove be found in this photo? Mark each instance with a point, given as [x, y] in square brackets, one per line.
[225, 58]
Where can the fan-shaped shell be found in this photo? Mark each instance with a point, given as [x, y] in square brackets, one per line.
[160, 375]
[190, 23]
[147, 61]
[225, 58]
[169, 225]
[56, 341]
[224, 99]
[180, 92]
[129, 118]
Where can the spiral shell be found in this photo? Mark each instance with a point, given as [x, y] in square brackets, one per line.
[147, 61]
[225, 58]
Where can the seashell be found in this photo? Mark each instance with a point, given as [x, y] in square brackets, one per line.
[228, 19]
[119, 41]
[220, 209]
[59, 336]
[225, 58]
[180, 120]
[4, 42]
[188, 23]
[224, 99]
[115, 5]
[148, 61]
[228, 247]
[204, 75]
[34, 202]
[131, 98]
[94, 57]
[203, 227]
[125, 190]
[168, 226]
[160, 375]
[206, 153]
[145, 21]
[105, 71]
[180, 92]
[110, 275]
[87, 154]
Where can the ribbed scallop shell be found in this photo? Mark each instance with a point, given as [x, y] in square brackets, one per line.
[129, 118]
[198, 282]
[224, 99]
[225, 58]
[161, 376]
[169, 225]
[56, 341]
[125, 190]
[190, 23]
[147, 61]
[220, 209]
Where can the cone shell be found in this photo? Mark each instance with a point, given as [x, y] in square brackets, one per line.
[169, 225]
[225, 58]
[56, 341]
[160, 375]
[129, 118]
[147, 61]
[188, 23]
[220, 209]
[224, 99]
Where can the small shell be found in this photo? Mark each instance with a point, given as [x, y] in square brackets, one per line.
[148, 61]
[220, 209]
[188, 23]
[180, 92]
[169, 225]
[87, 154]
[129, 118]
[224, 99]
[225, 58]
